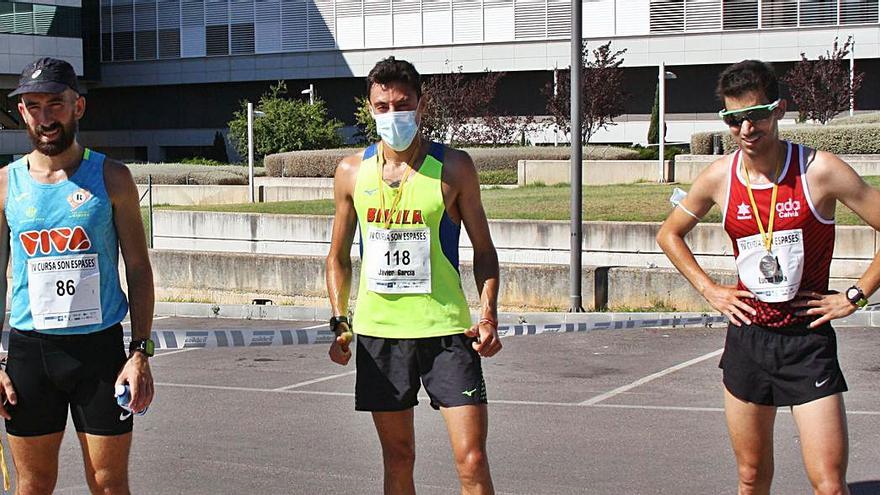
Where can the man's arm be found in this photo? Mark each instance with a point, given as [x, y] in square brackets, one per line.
[338, 265]
[139, 274]
[7, 392]
[831, 179]
[700, 199]
[486, 271]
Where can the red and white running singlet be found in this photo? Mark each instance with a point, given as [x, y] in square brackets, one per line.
[803, 241]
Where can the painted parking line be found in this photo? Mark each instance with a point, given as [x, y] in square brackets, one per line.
[160, 354]
[316, 380]
[641, 381]
[498, 401]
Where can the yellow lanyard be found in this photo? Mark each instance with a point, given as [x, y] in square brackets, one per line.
[388, 218]
[768, 235]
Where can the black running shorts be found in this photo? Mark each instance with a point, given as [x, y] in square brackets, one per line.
[781, 367]
[389, 371]
[54, 373]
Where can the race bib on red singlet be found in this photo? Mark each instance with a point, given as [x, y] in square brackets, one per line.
[775, 276]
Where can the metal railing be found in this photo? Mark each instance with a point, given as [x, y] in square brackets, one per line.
[149, 195]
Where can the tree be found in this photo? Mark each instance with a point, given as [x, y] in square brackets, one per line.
[365, 123]
[455, 103]
[821, 88]
[218, 149]
[602, 87]
[654, 127]
[460, 110]
[288, 125]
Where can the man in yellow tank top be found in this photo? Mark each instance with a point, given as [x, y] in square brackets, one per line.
[407, 198]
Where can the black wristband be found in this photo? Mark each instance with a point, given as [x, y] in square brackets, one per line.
[336, 322]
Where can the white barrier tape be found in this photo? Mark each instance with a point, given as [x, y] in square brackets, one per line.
[185, 339]
[192, 339]
[616, 324]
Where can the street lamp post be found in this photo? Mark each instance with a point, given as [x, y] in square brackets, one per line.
[852, 76]
[662, 76]
[577, 234]
[251, 113]
[310, 92]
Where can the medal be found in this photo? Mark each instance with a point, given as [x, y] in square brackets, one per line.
[769, 267]
[769, 264]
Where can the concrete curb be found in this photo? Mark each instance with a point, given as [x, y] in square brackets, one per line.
[516, 323]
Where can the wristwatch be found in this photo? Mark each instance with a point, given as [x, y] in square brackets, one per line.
[336, 321]
[856, 296]
[145, 346]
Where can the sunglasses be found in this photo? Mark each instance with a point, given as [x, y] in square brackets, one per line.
[757, 113]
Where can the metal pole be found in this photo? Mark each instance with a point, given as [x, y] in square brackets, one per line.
[311, 94]
[555, 93]
[661, 124]
[150, 200]
[250, 133]
[852, 77]
[576, 158]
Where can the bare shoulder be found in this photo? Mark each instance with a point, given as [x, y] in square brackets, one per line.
[345, 176]
[458, 166]
[116, 171]
[824, 164]
[118, 179]
[717, 171]
[349, 165]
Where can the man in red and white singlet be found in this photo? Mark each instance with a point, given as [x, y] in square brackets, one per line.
[778, 201]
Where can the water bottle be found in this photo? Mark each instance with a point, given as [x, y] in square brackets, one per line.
[123, 397]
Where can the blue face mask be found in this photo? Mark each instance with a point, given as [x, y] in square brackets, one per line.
[397, 129]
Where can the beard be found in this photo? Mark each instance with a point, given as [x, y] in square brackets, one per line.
[61, 142]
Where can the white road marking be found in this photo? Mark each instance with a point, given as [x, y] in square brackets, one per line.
[316, 380]
[322, 325]
[641, 381]
[160, 354]
[155, 318]
[501, 402]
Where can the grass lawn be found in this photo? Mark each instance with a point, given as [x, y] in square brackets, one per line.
[624, 203]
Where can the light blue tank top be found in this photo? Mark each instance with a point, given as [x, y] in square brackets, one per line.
[65, 251]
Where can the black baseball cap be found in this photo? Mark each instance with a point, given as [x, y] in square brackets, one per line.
[47, 75]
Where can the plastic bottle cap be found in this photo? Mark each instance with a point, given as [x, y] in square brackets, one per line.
[119, 390]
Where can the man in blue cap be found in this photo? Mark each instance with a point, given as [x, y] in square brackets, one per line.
[68, 213]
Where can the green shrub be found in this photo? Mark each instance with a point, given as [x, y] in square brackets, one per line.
[287, 125]
[865, 118]
[366, 124]
[845, 139]
[498, 176]
[322, 163]
[197, 160]
[701, 142]
[856, 139]
[652, 152]
[180, 173]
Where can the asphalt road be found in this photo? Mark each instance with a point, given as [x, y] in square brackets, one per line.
[633, 411]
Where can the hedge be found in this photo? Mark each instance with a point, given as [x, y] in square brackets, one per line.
[851, 139]
[322, 163]
[180, 173]
[865, 118]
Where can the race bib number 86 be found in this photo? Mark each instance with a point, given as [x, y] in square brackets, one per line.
[65, 291]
